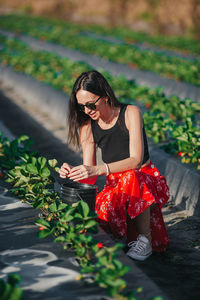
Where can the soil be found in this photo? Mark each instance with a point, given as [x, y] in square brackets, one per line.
[177, 271]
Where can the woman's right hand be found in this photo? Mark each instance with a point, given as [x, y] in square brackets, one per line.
[65, 170]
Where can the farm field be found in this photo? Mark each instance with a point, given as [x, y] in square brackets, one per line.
[183, 252]
[173, 67]
[171, 122]
[161, 117]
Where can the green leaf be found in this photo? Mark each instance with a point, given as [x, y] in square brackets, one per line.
[16, 294]
[52, 163]
[27, 146]
[101, 253]
[70, 237]
[68, 218]
[45, 172]
[103, 260]
[79, 227]
[13, 279]
[87, 269]
[90, 224]
[6, 291]
[59, 239]
[14, 147]
[42, 161]
[38, 204]
[31, 169]
[183, 138]
[24, 157]
[2, 287]
[78, 216]
[69, 212]
[140, 289]
[42, 223]
[117, 264]
[123, 271]
[53, 207]
[44, 233]
[19, 182]
[84, 208]
[114, 248]
[80, 251]
[117, 283]
[22, 138]
[62, 206]
[33, 160]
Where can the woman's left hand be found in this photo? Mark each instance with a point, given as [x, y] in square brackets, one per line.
[82, 172]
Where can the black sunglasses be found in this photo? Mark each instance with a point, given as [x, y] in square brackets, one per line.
[91, 106]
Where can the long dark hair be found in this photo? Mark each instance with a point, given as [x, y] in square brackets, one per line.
[94, 82]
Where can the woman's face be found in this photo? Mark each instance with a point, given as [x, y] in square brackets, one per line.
[85, 97]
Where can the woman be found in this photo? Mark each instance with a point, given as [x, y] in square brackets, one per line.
[131, 200]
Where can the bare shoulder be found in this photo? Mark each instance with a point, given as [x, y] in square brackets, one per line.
[133, 110]
[86, 126]
[133, 113]
[86, 132]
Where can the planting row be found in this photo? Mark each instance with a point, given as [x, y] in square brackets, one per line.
[186, 44]
[169, 120]
[74, 226]
[175, 67]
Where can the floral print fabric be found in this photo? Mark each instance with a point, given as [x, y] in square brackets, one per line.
[131, 192]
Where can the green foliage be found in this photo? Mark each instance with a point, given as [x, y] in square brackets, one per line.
[129, 36]
[10, 290]
[158, 126]
[62, 33]
[10, 152]
[186, 143]
[70, 225]
[163, 112]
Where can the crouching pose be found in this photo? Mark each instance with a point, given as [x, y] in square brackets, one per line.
[131, 201]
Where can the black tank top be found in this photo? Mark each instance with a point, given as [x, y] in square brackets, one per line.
[114, 142]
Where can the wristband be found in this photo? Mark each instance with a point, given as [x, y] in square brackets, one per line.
[107, 169]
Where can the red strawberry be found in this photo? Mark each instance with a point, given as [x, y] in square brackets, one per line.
[99, 245]
[180, 153]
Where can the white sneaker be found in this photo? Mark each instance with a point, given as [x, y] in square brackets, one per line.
[140, 249]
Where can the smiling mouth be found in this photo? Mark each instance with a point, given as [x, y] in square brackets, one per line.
[92, 115]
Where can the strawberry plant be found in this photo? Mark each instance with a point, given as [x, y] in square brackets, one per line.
[175, 67]
[44, 65]
[158, 126]
[162, 111]
[70, 225]
[10, 152]
[186, 143]
[32, 175]
[10, 290]
[129, 36]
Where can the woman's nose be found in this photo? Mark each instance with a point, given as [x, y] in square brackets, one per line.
[87, 110]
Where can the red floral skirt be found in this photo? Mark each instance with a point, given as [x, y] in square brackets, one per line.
[131, 192]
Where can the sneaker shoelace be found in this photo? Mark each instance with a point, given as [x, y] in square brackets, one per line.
[137, 246]
[131, 244]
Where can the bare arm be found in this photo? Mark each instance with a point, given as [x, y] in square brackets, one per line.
[88, 169]
[134, 123]
[89, 154]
